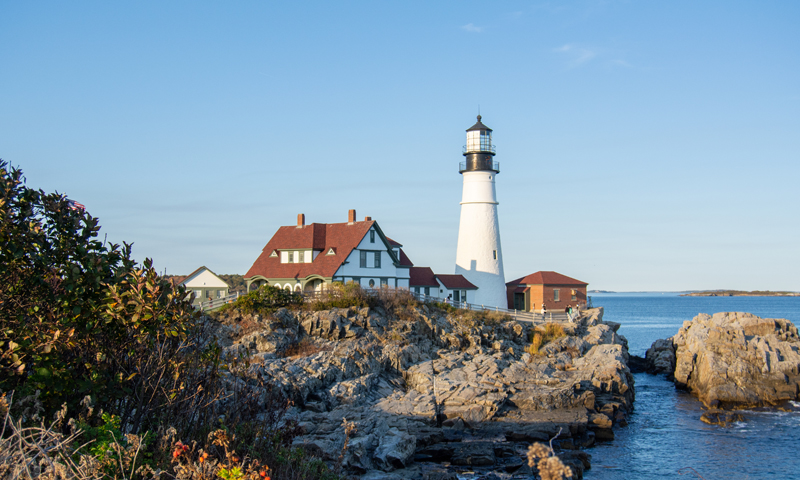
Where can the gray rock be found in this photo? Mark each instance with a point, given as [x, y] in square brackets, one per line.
[738, 359]
[395, 450]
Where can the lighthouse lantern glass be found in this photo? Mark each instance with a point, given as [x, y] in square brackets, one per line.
[479, 141]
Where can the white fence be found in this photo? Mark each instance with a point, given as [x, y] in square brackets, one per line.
[218, 302]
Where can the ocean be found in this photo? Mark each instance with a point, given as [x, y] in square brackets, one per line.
[665, 437]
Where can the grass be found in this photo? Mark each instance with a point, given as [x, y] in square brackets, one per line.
[541, 336]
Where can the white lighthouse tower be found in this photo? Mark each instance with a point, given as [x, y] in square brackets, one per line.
[479, 257]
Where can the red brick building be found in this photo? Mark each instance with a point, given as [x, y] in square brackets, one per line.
[555, 290]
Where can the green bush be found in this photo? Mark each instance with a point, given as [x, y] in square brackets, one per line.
[339, 295]
[264, 300]
[73, 309]
[79, 318]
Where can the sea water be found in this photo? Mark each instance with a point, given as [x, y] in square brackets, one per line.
[665, 437]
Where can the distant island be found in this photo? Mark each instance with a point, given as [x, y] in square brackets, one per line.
[739, 293]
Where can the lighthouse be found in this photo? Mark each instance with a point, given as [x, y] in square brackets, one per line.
[479, 257]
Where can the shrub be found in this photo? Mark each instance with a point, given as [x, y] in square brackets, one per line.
[343, 296]
[73, 309]
[80, 319]
[304, 348]
[264, 300]
[541, 336]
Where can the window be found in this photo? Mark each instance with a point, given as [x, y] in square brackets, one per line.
[273, 254]
[494, 254]
[290, 256]
[377, 259]
[384, 282]
[371, 283]
[555, 295]
[372, 236]
[463, 295]
[363, 259]
[427, 290]
[416, 290]
[220, 293]
[456, 295]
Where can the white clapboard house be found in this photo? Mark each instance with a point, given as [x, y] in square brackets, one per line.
[310, 257]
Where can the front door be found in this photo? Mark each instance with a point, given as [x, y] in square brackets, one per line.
[519, 301]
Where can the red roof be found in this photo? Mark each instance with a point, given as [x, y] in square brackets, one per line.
[452, 282]
[422, 277]
[342, 237]
[404, 260]
[394, 243]
[546, 278]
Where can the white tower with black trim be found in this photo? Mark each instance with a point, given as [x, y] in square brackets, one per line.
[479, 257]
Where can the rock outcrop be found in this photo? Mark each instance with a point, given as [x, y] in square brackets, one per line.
[434, 387]
[732, 359]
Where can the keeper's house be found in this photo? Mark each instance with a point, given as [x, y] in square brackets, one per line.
[311, 257]
[555, 290]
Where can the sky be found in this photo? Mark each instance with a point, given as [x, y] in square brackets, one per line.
[643, 146]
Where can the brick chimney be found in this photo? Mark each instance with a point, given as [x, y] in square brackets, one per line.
[301, 220]
[367, 219]
[351, 216]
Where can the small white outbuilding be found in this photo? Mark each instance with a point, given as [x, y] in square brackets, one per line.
[205, 284]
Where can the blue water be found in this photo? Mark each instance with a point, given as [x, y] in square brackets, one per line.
[665, 437]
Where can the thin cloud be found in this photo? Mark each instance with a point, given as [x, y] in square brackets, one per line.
[576, 55]
[472, 28]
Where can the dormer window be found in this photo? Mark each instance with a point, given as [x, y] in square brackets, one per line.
[330, 252]
[274, 253]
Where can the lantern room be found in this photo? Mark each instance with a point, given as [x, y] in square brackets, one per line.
[479, 150]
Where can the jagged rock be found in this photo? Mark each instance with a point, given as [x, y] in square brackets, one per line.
[393, 379]
[660, 357]
[735, 359]
[395, 450]
[721, 418]
[475, 454]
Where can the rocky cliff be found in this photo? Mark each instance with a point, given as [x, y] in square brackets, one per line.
[732, 359]
[436, 388]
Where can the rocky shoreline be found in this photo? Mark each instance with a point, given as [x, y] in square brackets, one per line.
[436, 392]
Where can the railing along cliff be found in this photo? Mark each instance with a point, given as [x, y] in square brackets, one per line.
[218, 302]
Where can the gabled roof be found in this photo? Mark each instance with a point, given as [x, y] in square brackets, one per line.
[546, 278]
[404, 260]
[422, 277]
[394, 243]
[197, 272]
[342, 237]
[456, 281]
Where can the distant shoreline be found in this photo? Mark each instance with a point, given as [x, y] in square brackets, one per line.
[714, 293]
[738, 293]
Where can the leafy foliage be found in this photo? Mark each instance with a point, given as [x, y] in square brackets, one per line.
[83, 325]
[340, 295]
[264, 300]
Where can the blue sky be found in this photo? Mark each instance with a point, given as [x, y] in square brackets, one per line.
[643, 145]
